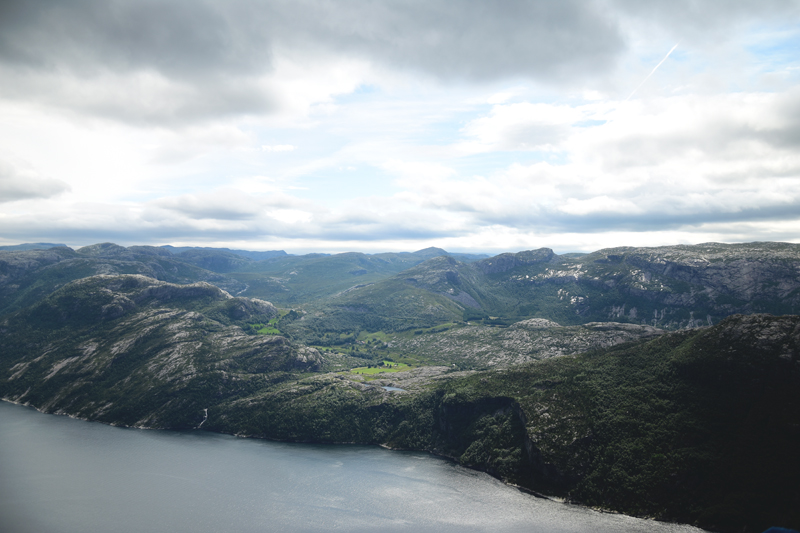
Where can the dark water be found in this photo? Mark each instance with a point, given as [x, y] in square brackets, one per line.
[63, 475]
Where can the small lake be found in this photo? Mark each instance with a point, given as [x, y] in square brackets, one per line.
[60, 475]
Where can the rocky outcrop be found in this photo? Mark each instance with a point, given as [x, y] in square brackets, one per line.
[16, 264]
[505, 262]
[479, 346]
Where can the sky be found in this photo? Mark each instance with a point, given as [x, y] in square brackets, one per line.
[372, 126]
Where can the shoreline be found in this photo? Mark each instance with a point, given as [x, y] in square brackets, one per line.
[453, 460]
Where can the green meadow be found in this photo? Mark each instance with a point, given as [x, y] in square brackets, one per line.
[380, 368]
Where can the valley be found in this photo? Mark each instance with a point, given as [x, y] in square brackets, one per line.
[658, 382]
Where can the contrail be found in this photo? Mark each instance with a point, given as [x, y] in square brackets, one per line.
[651, 73]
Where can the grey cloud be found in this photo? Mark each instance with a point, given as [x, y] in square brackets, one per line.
[477, 39]
[127, 227]
[533, 136]
[190, 39]
[555, 221]
[720, 141]
[373, 226]
[787, 134]
[180, 37]
[212, 53]
[222, 206]
[18, 183]
[190, 103]
[123, 226]
[705, 19]
[203, 58]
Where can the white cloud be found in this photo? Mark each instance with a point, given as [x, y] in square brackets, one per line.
[418, 172]
[174, 146]
[525, 126]
[600, 204]
[18, 181]
[670, 162]
[279, 148]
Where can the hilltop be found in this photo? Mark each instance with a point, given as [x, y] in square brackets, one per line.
[131, 350]
[671, 288]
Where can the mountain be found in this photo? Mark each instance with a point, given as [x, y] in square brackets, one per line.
[276, 276]
[28, 276]
[432, 252]
[642, 380]
[30, 246]
[135, 351]
[299, 280]
[255, 256]
[215, 260]
[669, 287]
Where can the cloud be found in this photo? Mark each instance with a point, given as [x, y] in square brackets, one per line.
[162, 63]
[188, 40]
[279, 148]
[708, 19]
[19, 182]
[478, 40]
[175, 62]
[180, 120]
[522, 126]
[229, 204]
[669, 163]
[717, 135]
[220, 205]
[177, 146]
[179, 61]
[181, 39]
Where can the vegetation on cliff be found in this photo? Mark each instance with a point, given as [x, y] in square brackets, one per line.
[697, 426]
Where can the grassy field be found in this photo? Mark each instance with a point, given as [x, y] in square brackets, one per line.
[388, 366]
[271, 327]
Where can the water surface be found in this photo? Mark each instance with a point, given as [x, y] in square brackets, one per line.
[63, 475]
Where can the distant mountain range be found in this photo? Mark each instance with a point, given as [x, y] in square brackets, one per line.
[660, 382]
[29, 246]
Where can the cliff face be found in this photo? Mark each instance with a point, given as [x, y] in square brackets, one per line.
[695, 426]
[669, 287]
[505, 262]
[679, 286]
